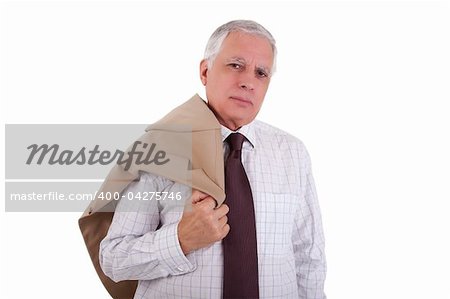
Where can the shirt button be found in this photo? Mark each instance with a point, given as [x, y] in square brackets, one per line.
[179, 268]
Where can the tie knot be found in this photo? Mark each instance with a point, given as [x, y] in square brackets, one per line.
[235, 141]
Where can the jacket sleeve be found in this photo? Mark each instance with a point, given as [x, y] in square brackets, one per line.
[308, 238]
[137, 246]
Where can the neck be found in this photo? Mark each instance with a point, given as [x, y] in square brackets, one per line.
[233, 126]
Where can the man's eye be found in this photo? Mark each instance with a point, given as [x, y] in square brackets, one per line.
[235, 66]
[261, 74]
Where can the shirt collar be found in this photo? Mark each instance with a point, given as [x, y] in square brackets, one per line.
[246, 130]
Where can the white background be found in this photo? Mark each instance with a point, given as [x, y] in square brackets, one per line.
[365, 85]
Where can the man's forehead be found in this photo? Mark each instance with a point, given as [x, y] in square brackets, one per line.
[246, 47]
[236, 40]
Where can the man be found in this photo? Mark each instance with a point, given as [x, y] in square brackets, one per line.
[274, 222]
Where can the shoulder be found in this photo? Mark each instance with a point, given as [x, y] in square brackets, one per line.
[270, 135]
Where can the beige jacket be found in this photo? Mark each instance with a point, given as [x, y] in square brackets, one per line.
[191, 137]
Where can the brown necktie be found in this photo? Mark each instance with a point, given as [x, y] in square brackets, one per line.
[240, 278]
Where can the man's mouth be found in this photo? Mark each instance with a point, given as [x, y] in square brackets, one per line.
[242, 100]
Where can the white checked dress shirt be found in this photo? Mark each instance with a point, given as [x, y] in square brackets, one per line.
[142, 242]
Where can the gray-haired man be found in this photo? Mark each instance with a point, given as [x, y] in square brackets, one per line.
[176, 253]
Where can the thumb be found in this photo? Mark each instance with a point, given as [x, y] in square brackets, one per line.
[198, 196]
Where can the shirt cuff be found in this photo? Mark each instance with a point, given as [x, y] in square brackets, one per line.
[171, 254]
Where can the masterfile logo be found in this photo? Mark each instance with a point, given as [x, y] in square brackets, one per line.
[91, 157]
[59, 167]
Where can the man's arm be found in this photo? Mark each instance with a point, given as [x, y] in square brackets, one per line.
[308, 239]
[134, 249]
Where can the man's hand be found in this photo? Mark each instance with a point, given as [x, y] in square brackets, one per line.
[203, 224]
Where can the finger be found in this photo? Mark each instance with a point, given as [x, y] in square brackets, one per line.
[226, 230]
[222, 210]
[207, 203]
[198, 196]
[223, 221]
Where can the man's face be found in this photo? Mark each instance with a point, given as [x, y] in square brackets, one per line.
[238, 79]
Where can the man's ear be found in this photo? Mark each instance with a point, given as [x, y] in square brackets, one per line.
[204, 71]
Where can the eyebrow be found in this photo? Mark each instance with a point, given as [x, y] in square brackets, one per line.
[258, 67]
[237, 59]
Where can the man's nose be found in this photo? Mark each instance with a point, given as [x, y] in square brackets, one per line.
[246, 81]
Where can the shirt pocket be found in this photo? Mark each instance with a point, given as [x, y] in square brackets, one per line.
[274, 222]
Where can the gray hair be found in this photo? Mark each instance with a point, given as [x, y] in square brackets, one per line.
[247, 26]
